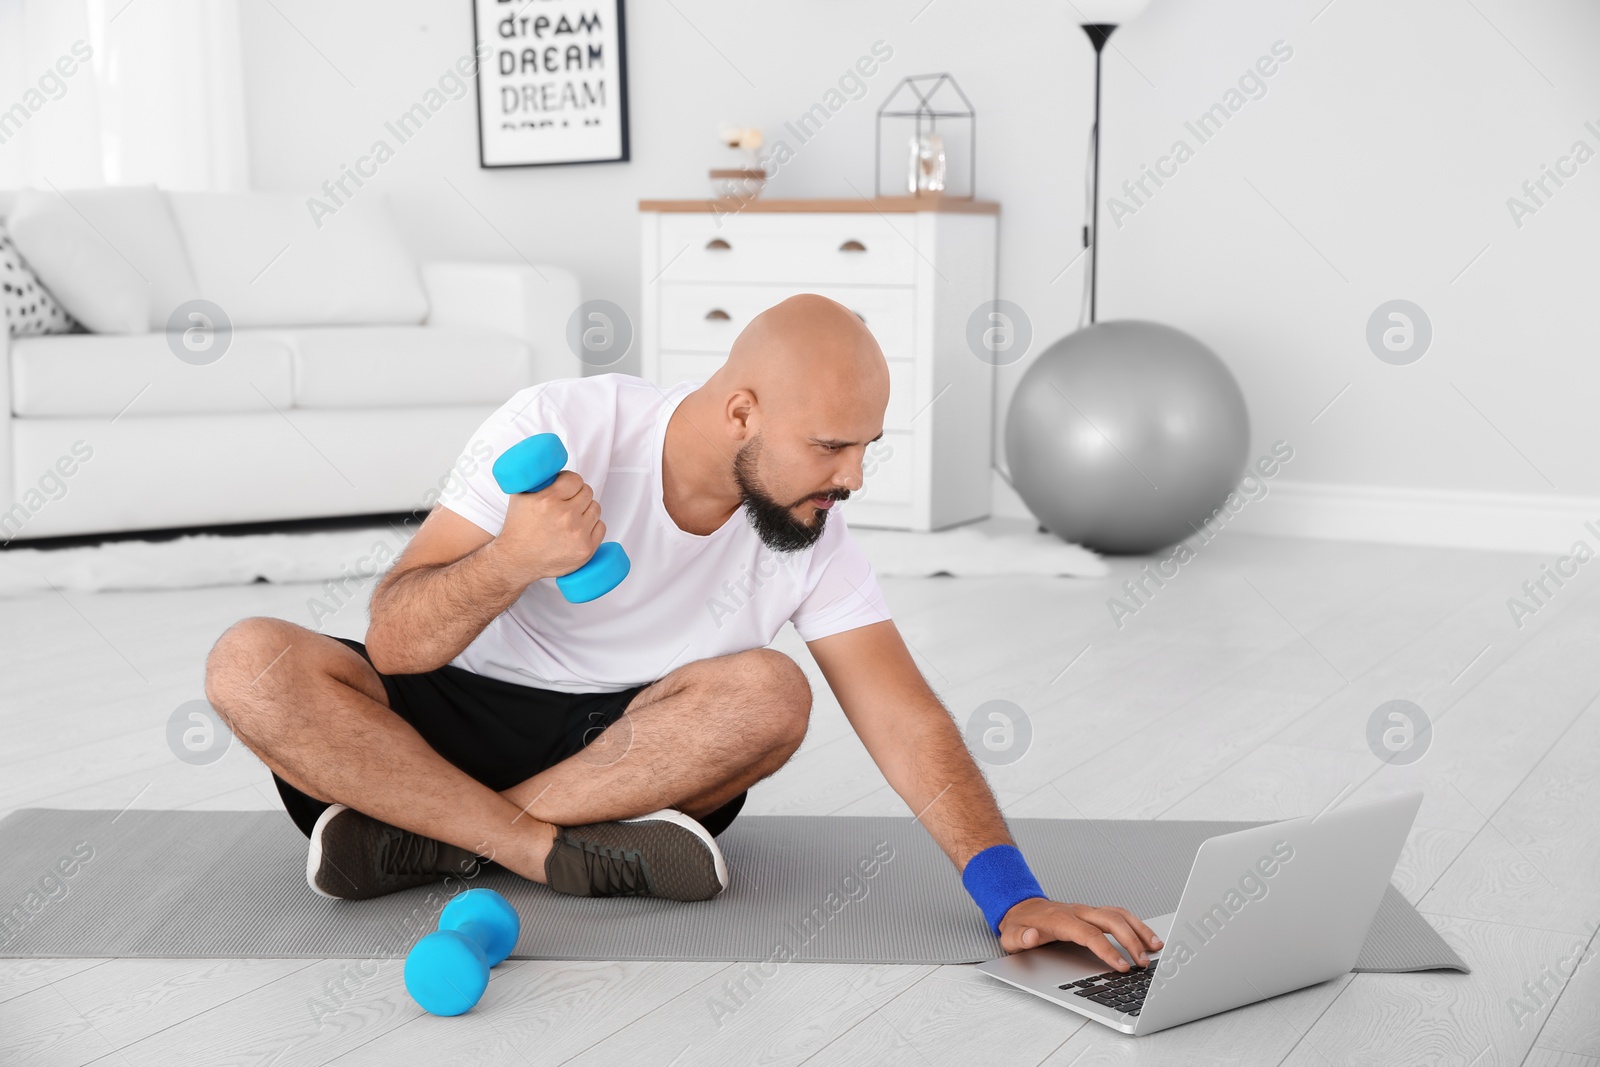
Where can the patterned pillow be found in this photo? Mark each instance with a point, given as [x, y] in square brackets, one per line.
[28, 306]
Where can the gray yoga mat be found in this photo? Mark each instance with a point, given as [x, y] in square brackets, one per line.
[181, 884]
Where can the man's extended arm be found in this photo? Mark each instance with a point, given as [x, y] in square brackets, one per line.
[914, 741]
[921, 752]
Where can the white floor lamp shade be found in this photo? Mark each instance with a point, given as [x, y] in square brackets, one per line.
[1106, 12]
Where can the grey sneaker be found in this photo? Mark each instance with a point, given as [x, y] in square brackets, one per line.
[664, 854]
[356, 857]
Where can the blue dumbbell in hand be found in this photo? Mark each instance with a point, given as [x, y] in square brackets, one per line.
[531, 465]
[447, 971]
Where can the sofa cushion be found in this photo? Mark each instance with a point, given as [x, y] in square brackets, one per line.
[200, 470]
[27, 307]
[265, 262]
[113, 257]
[86, 374]
[404, 366]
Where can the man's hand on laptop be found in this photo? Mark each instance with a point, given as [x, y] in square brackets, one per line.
[1035, 921]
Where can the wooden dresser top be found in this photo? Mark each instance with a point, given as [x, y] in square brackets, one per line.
[881, 205]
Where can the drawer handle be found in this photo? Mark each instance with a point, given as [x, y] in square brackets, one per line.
[717, 315]
[717, 244]
[852, 246]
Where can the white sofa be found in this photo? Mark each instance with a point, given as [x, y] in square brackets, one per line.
[353, 377]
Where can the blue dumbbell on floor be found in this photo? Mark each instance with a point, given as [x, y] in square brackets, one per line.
[531, 465]
[447, 971]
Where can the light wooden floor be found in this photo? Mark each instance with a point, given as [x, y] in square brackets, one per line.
[1241, 691]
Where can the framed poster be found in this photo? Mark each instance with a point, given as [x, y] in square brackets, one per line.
[553, 83]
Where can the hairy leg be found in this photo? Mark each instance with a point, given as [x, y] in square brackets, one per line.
[316, 713]
[693, 740]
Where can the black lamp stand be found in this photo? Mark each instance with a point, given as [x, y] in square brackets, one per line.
[1099, 33]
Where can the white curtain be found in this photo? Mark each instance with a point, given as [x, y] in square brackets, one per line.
[159, 100]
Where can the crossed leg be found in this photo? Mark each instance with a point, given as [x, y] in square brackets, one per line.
[317, 714]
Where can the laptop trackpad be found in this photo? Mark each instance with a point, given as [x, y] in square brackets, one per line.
[1065, 961]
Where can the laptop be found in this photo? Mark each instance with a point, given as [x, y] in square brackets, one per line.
[1265, 911]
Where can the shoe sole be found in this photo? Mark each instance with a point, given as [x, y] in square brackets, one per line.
[314, 853]
[678, 818]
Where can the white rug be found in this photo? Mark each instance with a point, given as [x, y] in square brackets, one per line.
[991, 547]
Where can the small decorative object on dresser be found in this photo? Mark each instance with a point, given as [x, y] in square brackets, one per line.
[927, 139]
[915, 269]
[741, 175]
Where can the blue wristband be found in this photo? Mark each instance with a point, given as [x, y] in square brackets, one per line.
[998, 878]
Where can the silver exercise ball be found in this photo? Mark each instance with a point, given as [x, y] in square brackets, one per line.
[1125, 436]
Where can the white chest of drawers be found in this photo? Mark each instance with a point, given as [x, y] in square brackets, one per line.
[915, 271]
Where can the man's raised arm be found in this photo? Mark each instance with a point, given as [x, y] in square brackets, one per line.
[455, 578]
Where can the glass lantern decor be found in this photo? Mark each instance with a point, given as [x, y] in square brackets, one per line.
[927, 140]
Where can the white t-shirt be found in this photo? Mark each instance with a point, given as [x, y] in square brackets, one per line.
[687, 597]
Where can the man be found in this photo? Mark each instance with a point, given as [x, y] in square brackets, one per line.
[600, 748]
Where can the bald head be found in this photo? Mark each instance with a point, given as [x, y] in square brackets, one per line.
[783, 425]
[804, 354]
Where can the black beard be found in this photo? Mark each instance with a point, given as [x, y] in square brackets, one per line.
[772, 521]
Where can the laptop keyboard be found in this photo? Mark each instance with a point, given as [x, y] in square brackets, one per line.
[1121, 991]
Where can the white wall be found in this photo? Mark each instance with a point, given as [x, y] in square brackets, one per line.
[1377, 165]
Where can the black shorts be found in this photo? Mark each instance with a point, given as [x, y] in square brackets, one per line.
[498, 732]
